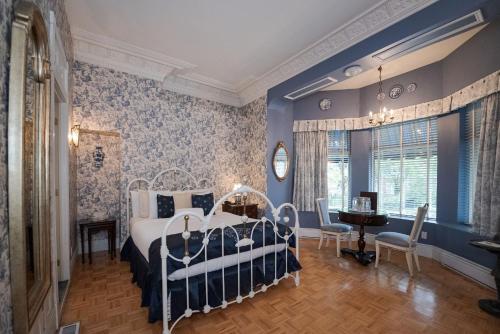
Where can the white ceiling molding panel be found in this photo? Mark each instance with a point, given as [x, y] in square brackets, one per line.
[209, 77]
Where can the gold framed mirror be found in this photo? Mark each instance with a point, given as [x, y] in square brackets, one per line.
[28, 165]
[281, 161]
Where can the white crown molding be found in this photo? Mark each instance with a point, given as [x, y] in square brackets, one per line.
[375, 19]
[114, 54]
[110, 53]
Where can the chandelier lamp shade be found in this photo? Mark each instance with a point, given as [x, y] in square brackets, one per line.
[383, 116]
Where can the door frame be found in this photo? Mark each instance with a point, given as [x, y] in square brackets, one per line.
[60, 90]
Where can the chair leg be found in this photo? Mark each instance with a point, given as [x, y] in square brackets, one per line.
[327, 240]
[409, 262]
[388, 255]
[320, 240]
[338, 245]
[377, 254]
[417, 263]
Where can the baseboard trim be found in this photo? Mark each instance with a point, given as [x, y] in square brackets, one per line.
[463, 266]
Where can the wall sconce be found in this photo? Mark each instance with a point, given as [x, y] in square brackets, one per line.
[75, 134]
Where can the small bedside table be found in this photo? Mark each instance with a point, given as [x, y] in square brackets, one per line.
[95, 226]
[237, 209]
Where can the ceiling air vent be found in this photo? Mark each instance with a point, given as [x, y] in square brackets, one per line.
[315, 86]
[421, 39]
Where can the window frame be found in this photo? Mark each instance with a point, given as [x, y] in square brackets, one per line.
[431, 150]
[344, 157]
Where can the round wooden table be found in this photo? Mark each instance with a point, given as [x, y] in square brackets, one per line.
[362, 219]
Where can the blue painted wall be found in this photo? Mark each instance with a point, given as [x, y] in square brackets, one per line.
[434, 81]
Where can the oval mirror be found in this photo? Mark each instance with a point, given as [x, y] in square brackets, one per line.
[281, 162]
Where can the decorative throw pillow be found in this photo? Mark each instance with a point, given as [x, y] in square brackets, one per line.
[166, 207]
[206, 202]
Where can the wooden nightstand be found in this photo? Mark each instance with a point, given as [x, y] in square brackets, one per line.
[237, 209]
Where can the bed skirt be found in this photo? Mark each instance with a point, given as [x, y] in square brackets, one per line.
[149, 280]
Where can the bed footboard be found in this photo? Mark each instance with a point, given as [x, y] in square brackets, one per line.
[244, 239]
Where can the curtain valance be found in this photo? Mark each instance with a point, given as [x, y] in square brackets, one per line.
[479, 89]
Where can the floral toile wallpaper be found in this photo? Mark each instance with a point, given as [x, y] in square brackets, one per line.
[6, 15]
[161, 129]
[98, 188]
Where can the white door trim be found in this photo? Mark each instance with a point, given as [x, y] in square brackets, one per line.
[60, 90]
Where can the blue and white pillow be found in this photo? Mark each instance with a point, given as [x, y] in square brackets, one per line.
[166, 207]
[205, 201]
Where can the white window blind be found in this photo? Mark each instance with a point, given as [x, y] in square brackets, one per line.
[403, 166]
[339, 167]
[470, 126]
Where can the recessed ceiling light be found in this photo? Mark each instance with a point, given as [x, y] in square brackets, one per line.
[353, 70]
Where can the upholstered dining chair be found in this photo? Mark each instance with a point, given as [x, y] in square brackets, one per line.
[403, 242]
[340, 231]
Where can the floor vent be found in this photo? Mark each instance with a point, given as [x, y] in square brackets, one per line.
[315, 86]
[421, 39]
[70, 329]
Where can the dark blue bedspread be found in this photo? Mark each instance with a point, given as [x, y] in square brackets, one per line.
[148, 275]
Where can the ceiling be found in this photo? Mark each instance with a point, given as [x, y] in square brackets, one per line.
[409, 62]
[230, 48]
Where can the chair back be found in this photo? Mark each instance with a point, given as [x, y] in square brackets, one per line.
[419, 223]
[324, 217]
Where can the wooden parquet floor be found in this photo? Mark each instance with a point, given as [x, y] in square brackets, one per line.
[336, 295]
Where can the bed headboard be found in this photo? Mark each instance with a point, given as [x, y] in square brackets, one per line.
[170, 179]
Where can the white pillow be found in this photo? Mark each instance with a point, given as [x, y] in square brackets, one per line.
[143, 204]
[182, 199]
[134, 197]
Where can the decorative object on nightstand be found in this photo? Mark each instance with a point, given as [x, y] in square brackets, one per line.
[93, 227]
[237, 196]
[98, 157]
[238, 209]
[325, 104]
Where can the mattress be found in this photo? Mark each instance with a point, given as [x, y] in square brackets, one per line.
[145, 230]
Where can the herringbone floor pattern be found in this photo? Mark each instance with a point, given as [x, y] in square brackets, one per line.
[335, 296]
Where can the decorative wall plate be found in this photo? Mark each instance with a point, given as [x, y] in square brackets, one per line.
[411, 87]
[396, 91]
[325, 104]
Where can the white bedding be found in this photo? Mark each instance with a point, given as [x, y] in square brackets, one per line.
[144, 231]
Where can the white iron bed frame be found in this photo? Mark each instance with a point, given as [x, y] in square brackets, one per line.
[245, 241]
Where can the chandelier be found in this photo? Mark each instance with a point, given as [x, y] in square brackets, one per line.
[383, 116]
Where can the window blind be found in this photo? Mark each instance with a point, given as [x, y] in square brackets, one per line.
[403, 166]
[339, 167]
[470, 126]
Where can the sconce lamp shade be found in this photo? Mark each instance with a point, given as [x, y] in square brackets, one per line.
[75, 134]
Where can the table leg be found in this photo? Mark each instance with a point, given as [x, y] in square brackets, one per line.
[114, 240]
[492, 306]
[361, 240]
[82, 229]
[89, 236]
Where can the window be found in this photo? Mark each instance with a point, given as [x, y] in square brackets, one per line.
[470, 125]
[339, 151]
[403, 166]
